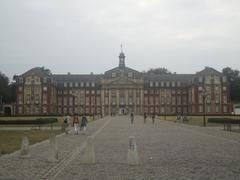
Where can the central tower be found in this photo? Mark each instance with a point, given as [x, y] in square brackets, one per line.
[121, 59]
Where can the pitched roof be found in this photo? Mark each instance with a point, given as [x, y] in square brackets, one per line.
[39, 71]
[207, 71]
[169, 77]
[77, 77]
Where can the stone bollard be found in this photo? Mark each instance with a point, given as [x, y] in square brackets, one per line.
[53, 153]
[25, 150]
[89, 154]
[132, 155]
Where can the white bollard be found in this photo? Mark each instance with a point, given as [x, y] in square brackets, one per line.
[25, 150]
[53, 152]
[89, 154]
[132, 155]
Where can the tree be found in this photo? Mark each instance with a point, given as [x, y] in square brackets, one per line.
[7, 91]
[158, 71]
[233, 77]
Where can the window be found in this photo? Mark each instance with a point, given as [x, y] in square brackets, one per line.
[93, 84]
[217, 108]
[76, 84]
[224, 79]
[151, 84]
[167, 84]
[65, 84]
[200, 79]
[200, 109]
[224, 88]
[200, 88]
[87, 84]
[65, 101]
[70, 101]
[113, 75]
[20, 88]
[156, 84]
[20, 80]
[130, 74]
[224, 99]
[20, 98]
[44, 88]
[216, 79]
[173, 84]
[106, 100]
[225, 109]
[59, 100]
[44, 80]
[20, 110]
[82, 84]
[178, 83]
[208, 108]
[44, 99]
[70, 84]
[162, 84]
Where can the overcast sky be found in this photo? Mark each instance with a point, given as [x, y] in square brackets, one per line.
[83, 36]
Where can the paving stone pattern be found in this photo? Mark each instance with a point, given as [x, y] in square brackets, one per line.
[166, 150]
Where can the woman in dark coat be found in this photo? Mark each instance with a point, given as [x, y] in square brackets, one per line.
[84, 123]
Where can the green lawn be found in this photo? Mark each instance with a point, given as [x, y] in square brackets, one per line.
[10, 141]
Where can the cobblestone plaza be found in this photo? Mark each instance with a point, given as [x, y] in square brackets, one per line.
[166, 150]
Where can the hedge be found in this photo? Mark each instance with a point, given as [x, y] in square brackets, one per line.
[224, 120]
[35, 121]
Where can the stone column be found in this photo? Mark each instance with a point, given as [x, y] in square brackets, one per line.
[53, 153]
[132, 155]
[135, 101]
[25, 150]
[89, 154]
[118, 101]
[126, 99]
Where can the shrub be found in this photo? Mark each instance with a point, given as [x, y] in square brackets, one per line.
[35, 121]
[224, 120]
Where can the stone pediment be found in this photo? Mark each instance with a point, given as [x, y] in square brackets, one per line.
[122, 81]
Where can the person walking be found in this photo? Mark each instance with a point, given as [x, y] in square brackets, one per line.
[132, 117]
[84, 123]
[76, 124]
[145, 118]
[153, 118]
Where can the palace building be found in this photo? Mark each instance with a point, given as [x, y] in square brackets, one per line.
[122, 90]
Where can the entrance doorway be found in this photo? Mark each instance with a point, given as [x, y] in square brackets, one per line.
[7, 111]
[122, 111]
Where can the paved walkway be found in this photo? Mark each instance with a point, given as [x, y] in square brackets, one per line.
[167, 150]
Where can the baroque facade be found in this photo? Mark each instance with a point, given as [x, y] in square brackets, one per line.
[120, 91]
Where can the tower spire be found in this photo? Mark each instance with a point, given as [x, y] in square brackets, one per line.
[121, 58]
